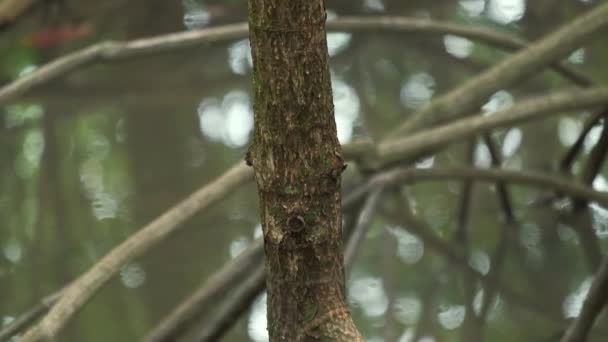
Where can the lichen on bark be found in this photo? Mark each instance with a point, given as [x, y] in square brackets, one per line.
[297, 161]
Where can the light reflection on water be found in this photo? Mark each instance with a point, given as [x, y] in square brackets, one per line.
[473, 7]
[458, 47]
[229, 121]
[417, 90]
[367, 294]
[506, 11]
[574, 302]
[90, 167]
[257, 324]
[451, 317]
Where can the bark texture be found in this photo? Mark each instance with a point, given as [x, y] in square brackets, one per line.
[297, 162]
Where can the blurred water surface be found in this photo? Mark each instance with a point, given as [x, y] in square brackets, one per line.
[88, 159]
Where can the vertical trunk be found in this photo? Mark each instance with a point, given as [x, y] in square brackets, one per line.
[297, 161]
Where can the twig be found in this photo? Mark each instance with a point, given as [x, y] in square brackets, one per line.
[568, 159]
[79, 292]
[523, 64]
[500, 254]
[593, 305]
[114, 50]
[12, 9]
[461, 240]
[415, 145]
[361, 228]
[188, 311]
[29, 317]
[423, 231]
[584, 227]
[530, 178]
[504, 198]
[239, 301]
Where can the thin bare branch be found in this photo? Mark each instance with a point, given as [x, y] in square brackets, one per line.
[10, 10]
[568, 159]
[593, 305]
[188, 311]
[361, 228]
[530, 178]
[79, 292]
[232, 308]
[114, 50]
[525, 63]
[29, 317]
[415, 145]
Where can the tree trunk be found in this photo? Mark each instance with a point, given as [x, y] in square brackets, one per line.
[297, 161]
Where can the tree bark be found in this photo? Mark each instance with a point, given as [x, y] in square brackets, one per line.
[297, 163]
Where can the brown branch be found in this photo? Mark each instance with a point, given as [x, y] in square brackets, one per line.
[525, 63]
[29, 317]
[79, 292]
[530, 178]
[593, 305]
[508, 227]
[10, 10]
[568, 159]
[590, 245]
[462, 240]
[188, 311]
[424, 232]
[115, 50]
[174, 324]
[415, 145]
[361, 227]
[232, 308]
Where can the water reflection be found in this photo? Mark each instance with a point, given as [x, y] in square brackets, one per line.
[229, 121]
[483, 157]
[574, 301]
[12, 251]
[368, 295]
[458, 47]
[506, 11]
[511, 142]
[577, 57]
[133, 275]
[257, 325]
[417, 90]
[374, 5]
[500, 100]
[239, 57]
[96, 161]
[568, 130]
[480, 261]
[195, 15]
[451, 317]
[410, 249]
[473, 7]
[29, 161]
[407, 310]
[346, 107]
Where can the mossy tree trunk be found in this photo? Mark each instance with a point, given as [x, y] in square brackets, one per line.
[297, 161]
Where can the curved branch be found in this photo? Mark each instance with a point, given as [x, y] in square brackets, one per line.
[29, 317]
[361, 228]
[78, 293]
[415, 145]
[232, 308]
[530, 178]
[186, 312]
[10, 10]
[108, 51]
[525, 63]
[593, 305]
